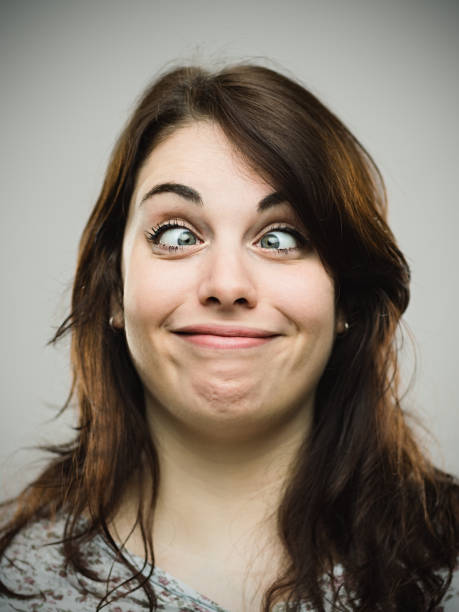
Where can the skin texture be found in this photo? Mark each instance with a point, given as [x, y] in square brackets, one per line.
[226, 422]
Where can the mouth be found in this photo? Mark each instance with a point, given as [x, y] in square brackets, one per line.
[225, 337]
[224, 342]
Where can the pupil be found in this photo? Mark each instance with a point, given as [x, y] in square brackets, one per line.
[185, 238]
[272, 241]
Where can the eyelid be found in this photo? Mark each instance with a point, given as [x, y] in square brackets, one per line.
[280, 225]
[284, 226]
[175, 222]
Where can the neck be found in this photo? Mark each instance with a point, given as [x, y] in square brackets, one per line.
[216, 495]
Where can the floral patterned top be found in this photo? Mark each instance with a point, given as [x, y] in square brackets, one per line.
[34, 564]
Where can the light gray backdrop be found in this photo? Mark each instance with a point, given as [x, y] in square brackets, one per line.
[70, 74]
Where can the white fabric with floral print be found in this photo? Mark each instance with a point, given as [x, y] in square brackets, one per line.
[34, 563]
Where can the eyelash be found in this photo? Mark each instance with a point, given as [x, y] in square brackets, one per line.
[156, 231]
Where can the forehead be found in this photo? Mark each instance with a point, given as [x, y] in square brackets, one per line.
[199, 152]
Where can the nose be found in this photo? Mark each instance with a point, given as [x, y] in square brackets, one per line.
[226, 280]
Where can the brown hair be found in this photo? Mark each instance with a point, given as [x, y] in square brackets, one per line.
[361, 493]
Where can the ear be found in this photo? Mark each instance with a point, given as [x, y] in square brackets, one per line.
[116, 311]
[340, 325]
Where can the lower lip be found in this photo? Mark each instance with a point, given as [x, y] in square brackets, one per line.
[225, 342]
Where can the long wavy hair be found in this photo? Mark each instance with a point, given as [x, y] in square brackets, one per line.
[361, 492]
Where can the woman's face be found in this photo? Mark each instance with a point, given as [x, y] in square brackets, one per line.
[219, 267]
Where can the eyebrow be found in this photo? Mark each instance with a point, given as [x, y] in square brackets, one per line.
[190, 194]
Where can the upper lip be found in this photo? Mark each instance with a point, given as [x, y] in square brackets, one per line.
[226, 330]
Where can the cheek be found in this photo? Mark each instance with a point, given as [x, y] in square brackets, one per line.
[306, 296]
[151, 291]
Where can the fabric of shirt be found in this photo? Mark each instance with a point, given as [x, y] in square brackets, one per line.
[34, 563]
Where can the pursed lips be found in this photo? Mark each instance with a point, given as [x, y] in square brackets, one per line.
[225, 336]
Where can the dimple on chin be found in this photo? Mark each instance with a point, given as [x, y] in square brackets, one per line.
[225, 391]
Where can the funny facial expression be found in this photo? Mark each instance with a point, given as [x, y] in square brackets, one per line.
[228, 311]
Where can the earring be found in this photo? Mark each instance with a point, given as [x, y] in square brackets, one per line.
[345, 330]
[111, 322]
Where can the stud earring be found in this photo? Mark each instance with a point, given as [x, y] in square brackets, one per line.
[111, 322]
[345, 330]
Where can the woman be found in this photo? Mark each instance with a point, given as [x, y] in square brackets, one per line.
[233, 324]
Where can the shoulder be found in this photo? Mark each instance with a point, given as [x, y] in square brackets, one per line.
[34, 564]
[34, 552]
[449, 523]
[450, 602]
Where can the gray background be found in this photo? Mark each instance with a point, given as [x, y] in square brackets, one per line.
[70, 74]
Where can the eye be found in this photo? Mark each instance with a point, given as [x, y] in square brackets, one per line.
[283, 239]
[174, 236]
[182, 236]
[171, 236]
